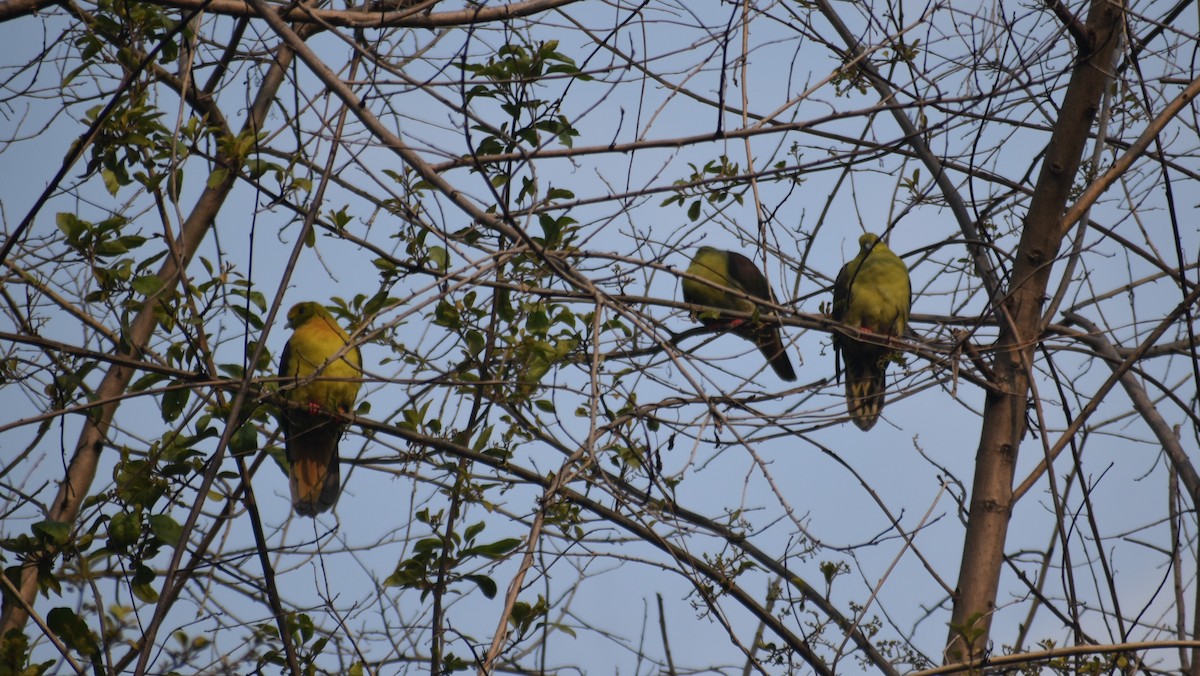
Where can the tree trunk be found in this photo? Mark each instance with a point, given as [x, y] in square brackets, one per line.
[82, 469]
[1004, 416]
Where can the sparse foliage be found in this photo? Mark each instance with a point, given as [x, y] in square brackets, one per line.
[552, 466]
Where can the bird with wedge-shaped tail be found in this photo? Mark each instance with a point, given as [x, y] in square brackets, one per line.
[323, 389]
[872, 294]
[722, 271]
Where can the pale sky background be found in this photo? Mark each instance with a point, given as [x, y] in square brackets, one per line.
[935, 415]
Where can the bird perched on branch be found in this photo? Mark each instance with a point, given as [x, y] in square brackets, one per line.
[872, 294]
[734, 271]
[324, 392]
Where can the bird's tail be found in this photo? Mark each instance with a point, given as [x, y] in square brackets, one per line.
[770, 343]
[865, 387]
[312, 450]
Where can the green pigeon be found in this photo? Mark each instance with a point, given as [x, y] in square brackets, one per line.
[733, 270]
[312, 430]
[872, 294]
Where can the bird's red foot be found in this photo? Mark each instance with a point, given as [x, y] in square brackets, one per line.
[314, 408]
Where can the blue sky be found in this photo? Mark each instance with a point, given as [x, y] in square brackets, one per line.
[916, 461]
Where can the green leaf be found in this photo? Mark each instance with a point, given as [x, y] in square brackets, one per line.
[257, 167]
[14, 655]
[111, 248]
[551, 229]
[216, 178]
[563, 628]
[439, 258]
[431, 544]
[167, 530]
[54, 532]
[73, 631]
[483, 438]
[147, 285]
[173, 401]
[340, 218]
[124, 529]
[305, 625]
[494, 550]
[111, 183]
[473, 530]
[504, 305]
[129, 242]
[401, 577]
[140, 585]
[486, 584]
[251, 318]
[146, 381]
[446, 315]
[232, 370]
[475, 342]
[538, 323]
[71, 226]
[244, 440]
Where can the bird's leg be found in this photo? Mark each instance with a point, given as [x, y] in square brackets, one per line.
[314, 408]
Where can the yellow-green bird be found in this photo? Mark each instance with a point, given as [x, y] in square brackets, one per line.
[311, 433]
[733, 270]
[872, 294]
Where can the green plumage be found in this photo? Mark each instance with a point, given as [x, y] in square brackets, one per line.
[734, 271]
[311, 434]
[872, 294]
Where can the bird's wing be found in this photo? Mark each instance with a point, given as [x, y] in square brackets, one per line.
[286, 368]
[745, 275]
[710, 266]
[767, 335]
[841, 289]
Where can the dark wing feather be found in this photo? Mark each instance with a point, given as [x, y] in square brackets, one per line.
[766, 334]
[744, 273]
[841, 294]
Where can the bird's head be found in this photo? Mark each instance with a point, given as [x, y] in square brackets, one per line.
[868, 241]
[302, 312]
